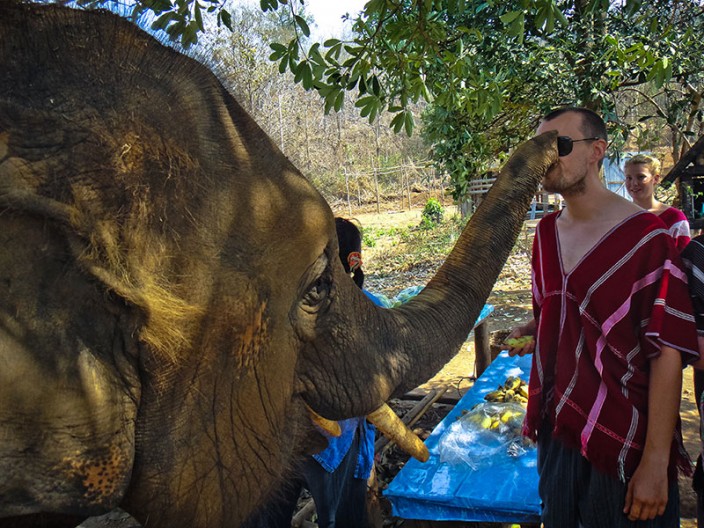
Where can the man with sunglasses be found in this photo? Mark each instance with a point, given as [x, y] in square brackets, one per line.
[613, 327]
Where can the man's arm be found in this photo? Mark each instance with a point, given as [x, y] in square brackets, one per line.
[647, 490]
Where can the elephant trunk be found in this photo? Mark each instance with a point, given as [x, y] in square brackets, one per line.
[470, 271]
[402, 348]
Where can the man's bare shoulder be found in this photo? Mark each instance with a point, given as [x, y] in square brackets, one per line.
[617, 208]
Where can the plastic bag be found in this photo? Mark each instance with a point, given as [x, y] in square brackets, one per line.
[485, 434]
[406, 295]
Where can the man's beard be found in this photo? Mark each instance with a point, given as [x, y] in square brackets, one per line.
[561, 186]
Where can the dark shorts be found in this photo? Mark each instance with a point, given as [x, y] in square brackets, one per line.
[575, 495]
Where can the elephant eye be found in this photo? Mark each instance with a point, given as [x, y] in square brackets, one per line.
[318, 294]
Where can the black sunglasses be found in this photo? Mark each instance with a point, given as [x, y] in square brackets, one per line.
[565, 144]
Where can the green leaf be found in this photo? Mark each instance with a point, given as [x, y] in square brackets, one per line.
[268, 5]
[300, 21]
[163, 21]
[516, 29]
[339, 100]
[198, 16]
[408, 123]
[225, 17]
[509, 17]
[376, 87]
[307, 81]
[397, 122]
[364, 101]
[280, 51]
[560, 17]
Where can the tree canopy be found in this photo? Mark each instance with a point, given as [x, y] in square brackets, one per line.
[485, 69]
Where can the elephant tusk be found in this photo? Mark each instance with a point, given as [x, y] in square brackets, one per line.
[329, 426]
[391, 426]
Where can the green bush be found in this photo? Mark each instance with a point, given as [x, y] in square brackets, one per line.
[432, 213]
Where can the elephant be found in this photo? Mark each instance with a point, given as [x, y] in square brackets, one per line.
[172, 308]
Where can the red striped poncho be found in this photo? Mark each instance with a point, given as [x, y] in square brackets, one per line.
[677, 225]
[598, 326]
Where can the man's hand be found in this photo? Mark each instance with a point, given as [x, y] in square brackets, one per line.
[522, 346]
[646, 497]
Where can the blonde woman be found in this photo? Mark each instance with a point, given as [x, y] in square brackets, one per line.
[642, 175]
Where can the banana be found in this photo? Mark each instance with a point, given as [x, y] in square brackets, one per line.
[507, 416]
[495, 396]
[519, 342]
[512, 382]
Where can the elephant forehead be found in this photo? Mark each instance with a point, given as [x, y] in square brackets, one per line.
[294, 226]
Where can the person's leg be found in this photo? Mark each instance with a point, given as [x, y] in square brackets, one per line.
[319, 483]
[560, 482]
[698, 378]
[328, 489]
[698, 487]
[352, 510]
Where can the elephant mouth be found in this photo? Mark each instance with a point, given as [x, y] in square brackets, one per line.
[388, 423]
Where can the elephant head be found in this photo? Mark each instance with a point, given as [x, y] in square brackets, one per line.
[171, 301]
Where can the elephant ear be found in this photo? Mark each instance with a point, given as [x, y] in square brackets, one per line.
[69, 388]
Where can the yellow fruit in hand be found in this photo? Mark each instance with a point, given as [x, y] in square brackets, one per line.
[519, 342]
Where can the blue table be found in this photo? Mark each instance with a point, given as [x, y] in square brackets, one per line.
[504, 490]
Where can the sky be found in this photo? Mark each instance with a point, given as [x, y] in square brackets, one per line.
[328, 15]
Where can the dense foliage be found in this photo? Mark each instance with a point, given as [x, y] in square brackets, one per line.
[487, 68]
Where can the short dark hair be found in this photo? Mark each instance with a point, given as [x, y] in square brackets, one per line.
[592, 123]
[350, 240]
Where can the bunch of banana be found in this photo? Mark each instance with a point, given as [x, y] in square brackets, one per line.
[514, 389]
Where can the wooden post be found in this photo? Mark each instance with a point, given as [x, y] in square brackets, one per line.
[482, 350]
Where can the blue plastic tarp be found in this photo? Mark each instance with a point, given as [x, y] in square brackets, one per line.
[486, 312]
[503, 488]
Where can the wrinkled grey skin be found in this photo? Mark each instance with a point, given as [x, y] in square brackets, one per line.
[170, 292]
